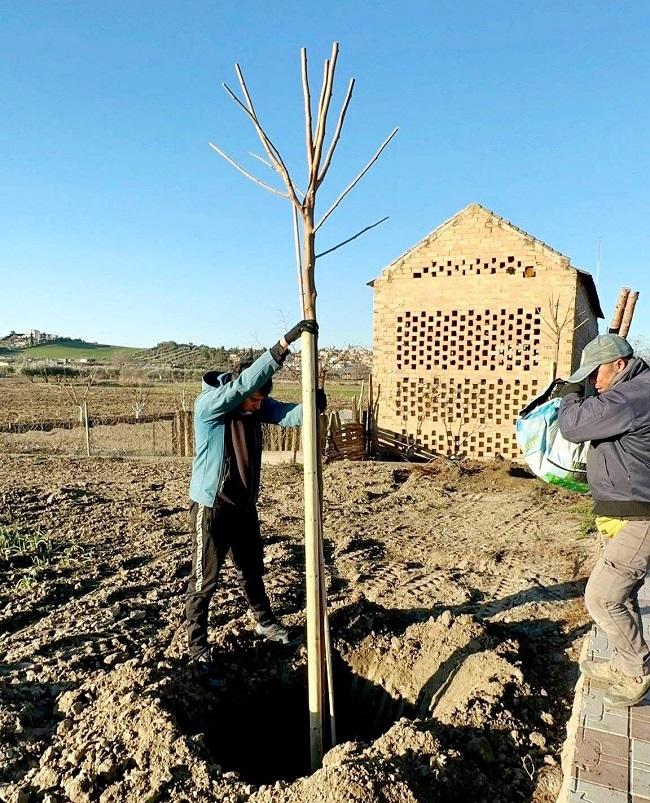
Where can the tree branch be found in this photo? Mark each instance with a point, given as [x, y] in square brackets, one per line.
[269, 147]
[296, 242]
[337, 133]
[326, 97]
[356, 180]
[349, 240]
[297, 190]
[273, 152]
[246, 173]
[321, 100]
[308, 118]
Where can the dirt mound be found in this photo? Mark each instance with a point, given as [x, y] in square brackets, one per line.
[116, 742]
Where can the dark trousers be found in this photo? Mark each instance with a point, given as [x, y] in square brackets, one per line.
[215, 532]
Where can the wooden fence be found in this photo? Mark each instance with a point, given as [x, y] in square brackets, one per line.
[47, 425]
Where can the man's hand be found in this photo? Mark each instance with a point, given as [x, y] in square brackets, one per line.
[578, 387]
[321, 400]
[279, 351]
[304, 326]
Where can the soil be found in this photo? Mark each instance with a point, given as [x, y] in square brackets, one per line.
[456, 619]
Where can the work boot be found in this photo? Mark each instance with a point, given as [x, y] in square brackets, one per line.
[599, 670]
[275, 631]
[206, 668]
[627, 691]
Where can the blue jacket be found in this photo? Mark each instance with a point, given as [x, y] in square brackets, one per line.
[617, 423]
[221, 395]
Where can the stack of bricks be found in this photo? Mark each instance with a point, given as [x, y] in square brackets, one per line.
[464, 333]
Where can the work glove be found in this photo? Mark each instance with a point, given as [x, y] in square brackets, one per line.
[577, 387]
[304, 326]
[280, 350]
[321, 400]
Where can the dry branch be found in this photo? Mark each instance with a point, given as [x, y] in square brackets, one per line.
[309, 136]
[273, 152]
[354, 237]
[358, 178]
[246, 173]
[337, 133]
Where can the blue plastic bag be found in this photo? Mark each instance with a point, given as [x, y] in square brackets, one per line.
[548, 455]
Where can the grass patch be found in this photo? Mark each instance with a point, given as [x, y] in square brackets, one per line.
[31, 553]
[586, 517]
[14, 543]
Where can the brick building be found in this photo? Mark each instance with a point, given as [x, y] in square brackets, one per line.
[469, 325]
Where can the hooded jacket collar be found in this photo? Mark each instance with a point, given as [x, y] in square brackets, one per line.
[635, 366]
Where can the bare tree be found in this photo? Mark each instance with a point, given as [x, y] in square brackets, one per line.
[641, 346]
[556, 325]
[76, 387]
[182, 386]
[305, 225]
[139, 390]
[328, 362]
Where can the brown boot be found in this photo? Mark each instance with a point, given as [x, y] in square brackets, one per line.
[627, 691]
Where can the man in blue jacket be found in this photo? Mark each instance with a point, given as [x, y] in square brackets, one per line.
[617, 423]
[228, 417]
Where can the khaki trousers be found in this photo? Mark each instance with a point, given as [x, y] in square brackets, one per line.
[612, 592]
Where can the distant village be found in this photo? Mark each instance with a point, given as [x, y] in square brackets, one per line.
[20, 340]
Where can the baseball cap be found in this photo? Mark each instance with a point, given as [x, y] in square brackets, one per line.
[602, 349]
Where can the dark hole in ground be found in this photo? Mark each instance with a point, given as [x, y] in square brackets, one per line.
[260, 728]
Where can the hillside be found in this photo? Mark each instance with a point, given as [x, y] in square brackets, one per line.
[187, 355]
[68, 349]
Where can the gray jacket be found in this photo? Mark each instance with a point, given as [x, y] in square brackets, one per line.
[617, 423]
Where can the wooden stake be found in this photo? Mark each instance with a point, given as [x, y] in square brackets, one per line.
[312, 549]
[630, 304]
[617, 317]
[85, 410]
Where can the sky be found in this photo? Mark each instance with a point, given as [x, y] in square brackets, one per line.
[118, 223]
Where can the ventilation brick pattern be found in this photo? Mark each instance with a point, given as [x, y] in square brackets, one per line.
[474, 267]
[460, 415]
[479, 340]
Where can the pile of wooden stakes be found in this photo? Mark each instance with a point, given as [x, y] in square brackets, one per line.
[623, 312]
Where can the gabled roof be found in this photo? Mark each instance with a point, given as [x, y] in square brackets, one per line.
[585, 277]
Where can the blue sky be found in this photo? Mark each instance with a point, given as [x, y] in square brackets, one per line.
[119, 224]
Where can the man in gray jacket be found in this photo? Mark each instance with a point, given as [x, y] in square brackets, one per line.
[617, 423]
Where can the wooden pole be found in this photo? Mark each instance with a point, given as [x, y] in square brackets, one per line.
[85, 408]
[188, 432]
[312, 549]
[329, 669]
[617, 317]
[628, 313]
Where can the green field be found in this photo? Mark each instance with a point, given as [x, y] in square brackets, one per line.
[74, 350]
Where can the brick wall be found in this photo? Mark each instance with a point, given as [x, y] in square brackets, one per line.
[463, 333]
